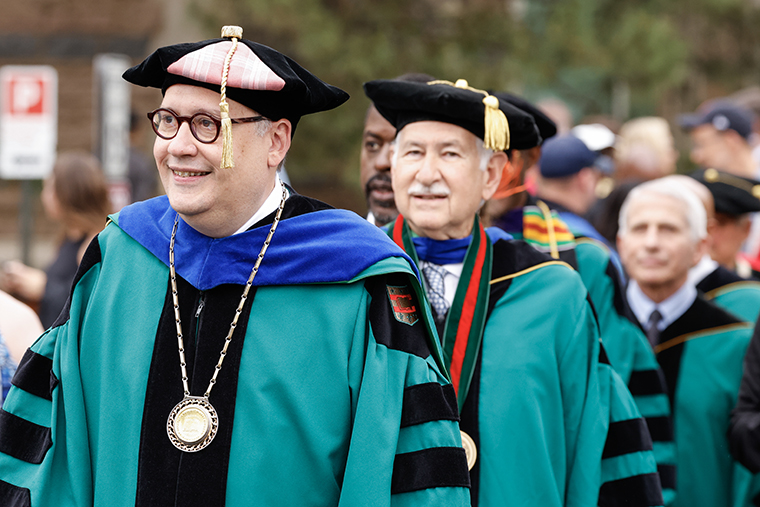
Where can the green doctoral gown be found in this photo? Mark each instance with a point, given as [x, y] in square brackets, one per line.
[531, 401]
[534, 407]
[701, 354]
[331, 391]
[627, 350]
[736, 295]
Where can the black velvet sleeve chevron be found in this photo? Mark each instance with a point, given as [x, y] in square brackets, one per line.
[23, 439]
[35, 375]
[429, 402]
[636, 491]
[436, 467]
[13, 496]
[625, 437]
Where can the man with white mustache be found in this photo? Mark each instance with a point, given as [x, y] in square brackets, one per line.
[524, 368]
[699, 346]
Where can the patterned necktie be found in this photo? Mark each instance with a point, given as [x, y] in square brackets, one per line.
[653, 333]
[434, 275]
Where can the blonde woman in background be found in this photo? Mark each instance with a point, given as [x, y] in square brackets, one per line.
[645, 150]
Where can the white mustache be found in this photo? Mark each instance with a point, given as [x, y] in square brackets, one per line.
[437, 188]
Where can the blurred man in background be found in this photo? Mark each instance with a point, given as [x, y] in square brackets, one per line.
[699, 346]
[375, 163]
[568, 175]
[720, 133]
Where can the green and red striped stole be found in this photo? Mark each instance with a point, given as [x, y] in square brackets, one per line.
[466, 320]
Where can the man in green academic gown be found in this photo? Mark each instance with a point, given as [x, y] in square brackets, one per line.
[519, 335]
[625, 346]
[699, 346]
[234, 343]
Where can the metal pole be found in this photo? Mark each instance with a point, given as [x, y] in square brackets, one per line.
[26, 220]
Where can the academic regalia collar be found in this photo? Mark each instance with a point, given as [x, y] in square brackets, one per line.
[704, 267]
[465, 321]
[451, 251]
[552, 204]
[671, 308]
[310, 247]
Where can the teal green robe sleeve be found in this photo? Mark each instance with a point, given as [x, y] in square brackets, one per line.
[629, 468]
[630, 355]
[706, 391]
[741, 299]
[540, 417]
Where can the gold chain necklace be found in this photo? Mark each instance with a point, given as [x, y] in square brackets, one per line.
[193, 423]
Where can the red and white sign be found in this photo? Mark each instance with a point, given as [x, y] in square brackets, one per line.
[28, 121]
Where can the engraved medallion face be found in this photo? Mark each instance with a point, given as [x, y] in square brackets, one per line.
[470, 450]
[192, 424]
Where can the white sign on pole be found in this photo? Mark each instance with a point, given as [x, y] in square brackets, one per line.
[28, 121]
[112, 110]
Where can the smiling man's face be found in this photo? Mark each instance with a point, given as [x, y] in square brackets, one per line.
[214, 201]
[438, 182]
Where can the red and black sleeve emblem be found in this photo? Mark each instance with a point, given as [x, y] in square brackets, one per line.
[403, 304]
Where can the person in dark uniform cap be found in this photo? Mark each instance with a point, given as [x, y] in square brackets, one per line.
[492, 299]
[718, 274]
[234, 343]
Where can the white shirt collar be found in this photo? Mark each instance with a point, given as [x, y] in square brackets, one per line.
[704, 267]
[670, 309]
[270, 204]
[371, 218]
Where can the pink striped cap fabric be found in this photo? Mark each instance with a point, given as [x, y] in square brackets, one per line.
[247, 71]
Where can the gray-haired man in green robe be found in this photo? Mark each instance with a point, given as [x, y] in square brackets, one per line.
[699, 346]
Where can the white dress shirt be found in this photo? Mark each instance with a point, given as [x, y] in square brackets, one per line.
[270, 204]
[670, 309]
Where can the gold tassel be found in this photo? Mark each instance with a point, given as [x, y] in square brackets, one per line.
[496, 135]
[228, 161]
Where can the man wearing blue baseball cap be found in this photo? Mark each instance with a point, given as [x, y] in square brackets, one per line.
[569, 173]
[720, 134]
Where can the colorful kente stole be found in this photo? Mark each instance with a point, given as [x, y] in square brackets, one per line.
[545, 231]
[466, 319]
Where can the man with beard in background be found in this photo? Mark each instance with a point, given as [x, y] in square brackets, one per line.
[375, 162]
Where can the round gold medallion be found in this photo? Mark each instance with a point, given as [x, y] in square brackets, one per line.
[469, 449]
[192, 424]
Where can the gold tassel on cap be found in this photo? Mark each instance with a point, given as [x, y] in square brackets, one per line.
[497, 127]
[496, 133]
[235, 32]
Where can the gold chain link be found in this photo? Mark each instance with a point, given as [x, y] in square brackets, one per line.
[238, 310]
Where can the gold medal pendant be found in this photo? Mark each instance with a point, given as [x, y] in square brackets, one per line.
[192, 424]
[470, 450]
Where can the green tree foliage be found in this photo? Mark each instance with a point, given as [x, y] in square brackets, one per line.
[577, 50]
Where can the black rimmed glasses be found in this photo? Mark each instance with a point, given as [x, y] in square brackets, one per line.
[204, 127]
